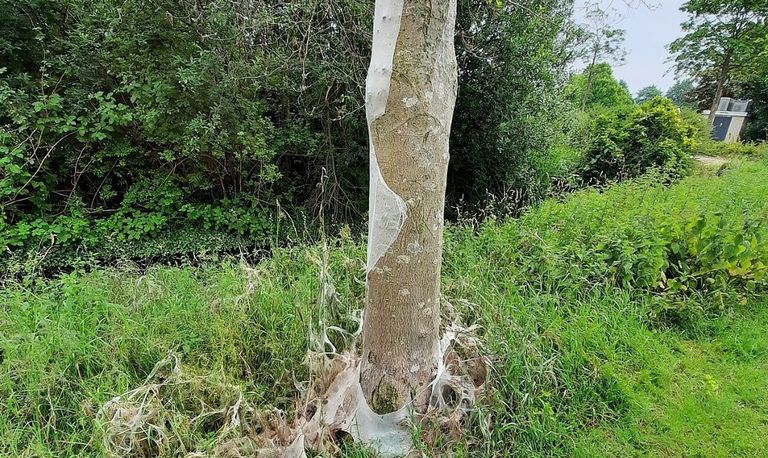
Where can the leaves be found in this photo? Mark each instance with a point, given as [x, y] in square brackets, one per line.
[600, 88]
[718, 33]
[628, 143]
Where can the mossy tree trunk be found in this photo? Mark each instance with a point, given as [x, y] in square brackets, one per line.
[410, 96]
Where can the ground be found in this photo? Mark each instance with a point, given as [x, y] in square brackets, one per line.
[629, 321]
[705, 397]
[710, 160]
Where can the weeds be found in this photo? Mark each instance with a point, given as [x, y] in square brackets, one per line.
[580, 301]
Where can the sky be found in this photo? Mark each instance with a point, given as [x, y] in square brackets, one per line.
[648, 31]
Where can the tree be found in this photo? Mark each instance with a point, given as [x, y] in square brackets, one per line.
[647, 93]
[601, 42]
[680, 93]
[410, 96]
[624, 85]
[606, 92]
[753, 84]
[720, 38]
[509, 108]
[756, 89]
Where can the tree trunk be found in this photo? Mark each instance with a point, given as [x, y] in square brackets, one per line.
[588, 86]
[722, 77]
[410, 96]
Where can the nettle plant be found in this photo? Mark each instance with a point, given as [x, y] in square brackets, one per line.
[714, 251]
[701, 254]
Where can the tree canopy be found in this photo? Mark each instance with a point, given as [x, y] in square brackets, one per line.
[721, 37]
[647, 93]
[605, 90]
[717, 31]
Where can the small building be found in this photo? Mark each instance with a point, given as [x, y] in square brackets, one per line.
[729, 119]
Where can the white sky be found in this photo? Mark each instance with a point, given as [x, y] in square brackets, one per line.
[648, 31]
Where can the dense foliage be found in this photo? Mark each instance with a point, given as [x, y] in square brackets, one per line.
[509, 112]
[135, 120]
[627, 143]
[601, 88]
[162, 128]
[752, 84]
[136, 115]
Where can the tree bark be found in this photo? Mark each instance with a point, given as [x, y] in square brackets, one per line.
[588, 86]
[722, 77]
[410, 96]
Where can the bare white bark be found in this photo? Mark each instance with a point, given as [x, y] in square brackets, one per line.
[410, 96]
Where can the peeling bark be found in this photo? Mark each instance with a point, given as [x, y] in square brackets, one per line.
[410, 96]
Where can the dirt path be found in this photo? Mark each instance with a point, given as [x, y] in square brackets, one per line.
[712, 161]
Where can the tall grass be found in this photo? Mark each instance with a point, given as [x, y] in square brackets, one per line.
[574, 308]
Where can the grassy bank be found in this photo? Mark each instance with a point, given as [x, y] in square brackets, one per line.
[623, 322]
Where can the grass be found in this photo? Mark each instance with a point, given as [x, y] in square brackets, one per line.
[701, 397]
[737, 149]
[594, 353]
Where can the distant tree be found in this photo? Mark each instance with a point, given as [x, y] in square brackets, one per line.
[624, 84]
[680, 93]
[721, 37]
[606, 91]
[753, 84]
[647, 93]
[600, 43]
[756, 90]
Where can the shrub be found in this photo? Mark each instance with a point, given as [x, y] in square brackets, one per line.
[508, 110]
[603, 157]
[628, 143]
[702, 129]
[127, 118]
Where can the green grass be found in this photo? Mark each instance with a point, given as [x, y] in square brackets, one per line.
[701, 398]
[736, 149]
[593, 354]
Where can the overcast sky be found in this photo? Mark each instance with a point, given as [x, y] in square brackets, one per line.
[648, 31]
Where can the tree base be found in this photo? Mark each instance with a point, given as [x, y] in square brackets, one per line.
[339, 407]
[138, 423]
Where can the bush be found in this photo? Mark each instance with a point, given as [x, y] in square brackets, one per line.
[628, 143]
[508, 109]
[603, 157]
[123, 119]
[134, 119]
[701, 241]
[702, 129]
